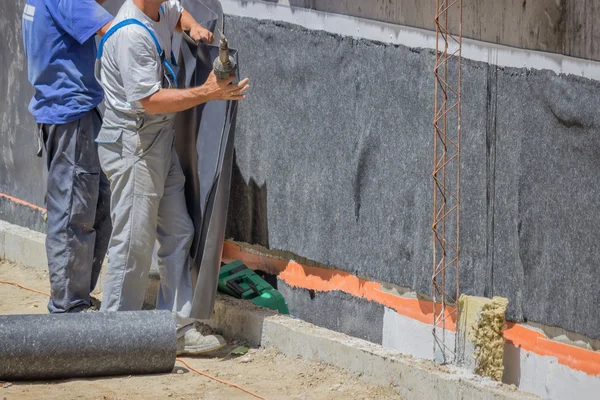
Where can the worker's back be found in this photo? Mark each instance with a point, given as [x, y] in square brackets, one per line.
[60, 48]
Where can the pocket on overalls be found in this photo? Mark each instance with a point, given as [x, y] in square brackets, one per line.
[109, 136]
[86, 150]
[110, 151]
[152, 162]
[148, 140]
[41, 140]
[84, 200]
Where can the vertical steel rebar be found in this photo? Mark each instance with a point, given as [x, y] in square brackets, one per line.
[446, 175]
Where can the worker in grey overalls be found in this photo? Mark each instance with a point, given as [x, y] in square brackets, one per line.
[135, 145]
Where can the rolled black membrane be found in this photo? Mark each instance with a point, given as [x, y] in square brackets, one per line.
[86, 344]
[204, 141]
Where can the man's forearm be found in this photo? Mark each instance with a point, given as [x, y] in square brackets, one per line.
[195, 30]
[102, 31]
[174, 100]
[186, 22]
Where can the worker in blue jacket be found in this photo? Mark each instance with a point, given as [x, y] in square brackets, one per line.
[60, 46]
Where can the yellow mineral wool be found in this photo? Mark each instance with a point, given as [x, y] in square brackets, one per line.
[487, 335]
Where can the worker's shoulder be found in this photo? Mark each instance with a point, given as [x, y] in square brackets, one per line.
[131, 23]
[172, 6]
[133, 35]
[131, 28]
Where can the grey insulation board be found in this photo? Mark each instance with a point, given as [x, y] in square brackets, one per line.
[336, 310]
[334, 156]
[547, 190]
[75, 345]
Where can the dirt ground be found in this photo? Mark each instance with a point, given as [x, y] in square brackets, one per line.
[265, 372]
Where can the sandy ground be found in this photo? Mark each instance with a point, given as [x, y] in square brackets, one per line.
[265, 372]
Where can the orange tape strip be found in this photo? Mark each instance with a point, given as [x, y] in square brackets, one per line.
[324, 280]
[574, 357]
[22, 202]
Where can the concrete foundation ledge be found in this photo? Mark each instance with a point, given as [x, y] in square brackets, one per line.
[413, 379]
[22, 245]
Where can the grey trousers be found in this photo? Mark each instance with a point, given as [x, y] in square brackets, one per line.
[147, 206]
[77, 200]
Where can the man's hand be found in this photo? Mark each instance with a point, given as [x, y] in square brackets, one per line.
[174, 100]
[198, 33]
[223, 89]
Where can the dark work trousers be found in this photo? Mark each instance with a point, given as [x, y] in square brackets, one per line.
[78, 203]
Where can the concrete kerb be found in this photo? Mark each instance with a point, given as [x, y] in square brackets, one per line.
[22, 245]
[413, 379]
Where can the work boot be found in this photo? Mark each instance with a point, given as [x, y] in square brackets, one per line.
[194, 343]
[95, 303]
[93, 307]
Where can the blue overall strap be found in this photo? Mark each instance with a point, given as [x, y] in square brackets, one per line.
[173, 60]
[132, 21]
[126, 22]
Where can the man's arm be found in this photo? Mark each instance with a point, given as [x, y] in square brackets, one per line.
[81, 19]
[197, 32]
[102, 31]
[174, 100]
[141, 75]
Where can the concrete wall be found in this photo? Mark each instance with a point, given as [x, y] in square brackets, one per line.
[362, 202]
[562, 26]
[528, 164]
[333, 163]
[22, 174]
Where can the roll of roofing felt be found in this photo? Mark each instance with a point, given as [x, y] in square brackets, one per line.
[86, 344]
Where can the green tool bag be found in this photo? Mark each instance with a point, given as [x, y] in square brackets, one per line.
[237, 280]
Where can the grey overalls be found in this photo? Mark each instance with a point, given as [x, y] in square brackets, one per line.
[147, 205]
